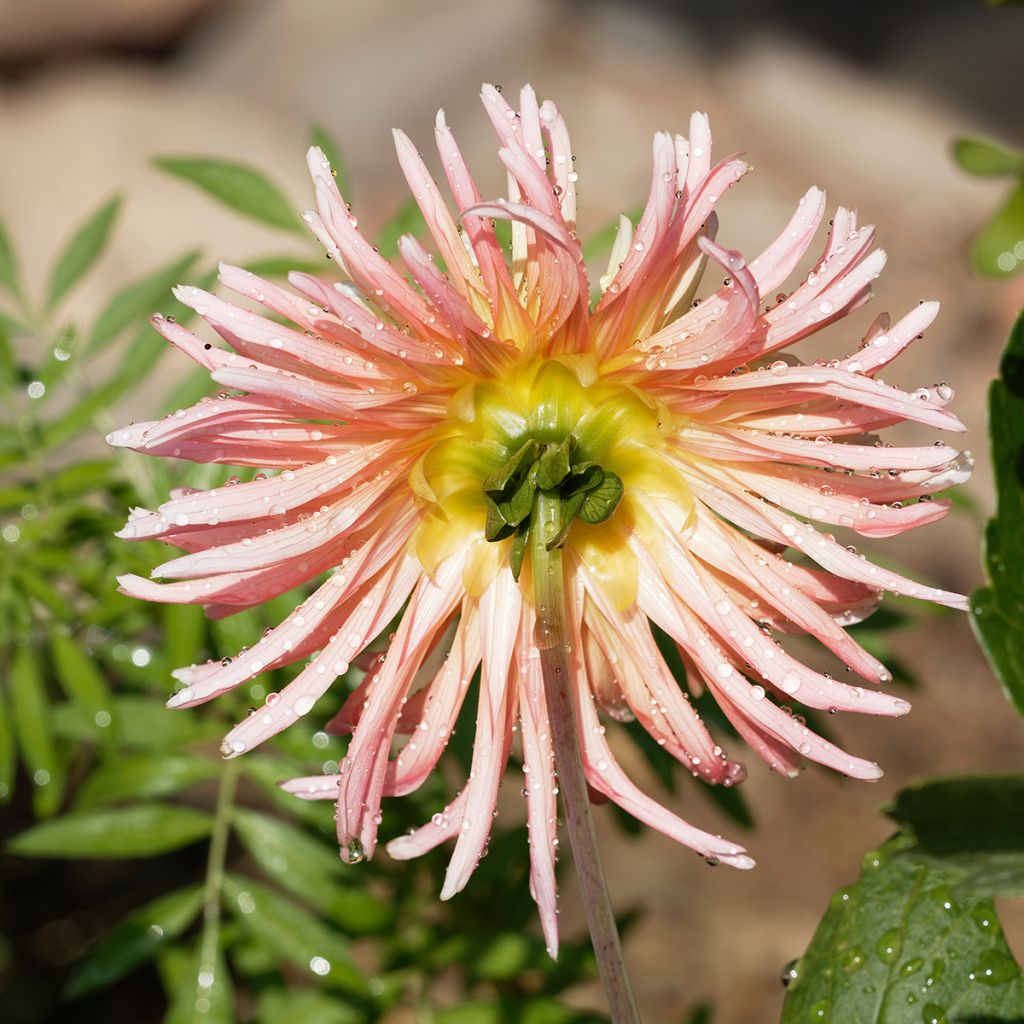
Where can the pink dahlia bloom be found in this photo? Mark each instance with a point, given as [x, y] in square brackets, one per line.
[403, 413]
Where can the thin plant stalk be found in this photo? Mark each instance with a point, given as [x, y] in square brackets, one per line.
[552, 641]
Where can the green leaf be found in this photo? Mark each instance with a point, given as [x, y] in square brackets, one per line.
[293, 934]
[34, 585]
[519, 506]
[963, 814]
[77, 673]
[407, 220]
[599, 503]
[319, 136]
[538, 1010]
[267, 773]
[998, 251]
[496, 526]
[238, 186]
[137, 362]
[8, 750]
[142, 722]
[898, 946]
[306, 1007]
[517, 552]
[985, 157]
[554, 464]
[8, 364]
[82, 251]
[31, 714]
[503, 956]
[307, 868]
[997, 611]
[200, 991]
[142, 830]
[143, 777]
[497, 483]
[135, 940]
[8, 264]
[973, 825]
[138, 300]
[184, 630]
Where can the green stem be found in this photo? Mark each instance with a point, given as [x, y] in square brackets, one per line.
[553, 643]
[209, 942]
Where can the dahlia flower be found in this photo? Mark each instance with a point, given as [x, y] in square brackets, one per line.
[414, 417]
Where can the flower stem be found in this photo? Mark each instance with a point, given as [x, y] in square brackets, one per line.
[209, 942]
[552, 642]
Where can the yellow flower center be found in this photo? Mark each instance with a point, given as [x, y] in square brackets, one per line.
[614, 425]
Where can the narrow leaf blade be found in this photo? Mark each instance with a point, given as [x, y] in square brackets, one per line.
[238, 186]
[82, 251]
[135, 940]
[143, 830]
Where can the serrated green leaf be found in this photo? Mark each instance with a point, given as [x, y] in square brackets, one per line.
[32, 723]
[407, 220]
[8, 264]
[138, 300]
[143, 830]
[293, 934]
[309, 869]
[984, 157]
[135, 940]
[238, 186]
[82, 251]
[319, 136]
[907, 948]
[143, 777]
[998, 251]
[997, 611]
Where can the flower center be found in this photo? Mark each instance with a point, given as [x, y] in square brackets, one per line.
[549, 423]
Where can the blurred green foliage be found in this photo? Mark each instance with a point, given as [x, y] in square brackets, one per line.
[998, 249]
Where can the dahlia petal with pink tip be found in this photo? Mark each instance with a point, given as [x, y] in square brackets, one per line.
[539, 781]
[436, 714]
[391, 405]
[500, 609]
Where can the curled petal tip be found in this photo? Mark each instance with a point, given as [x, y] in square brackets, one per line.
[739, 860]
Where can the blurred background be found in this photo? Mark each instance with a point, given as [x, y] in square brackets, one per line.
[863, 100]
